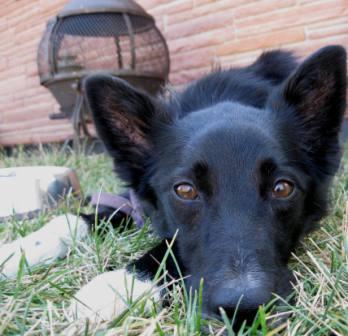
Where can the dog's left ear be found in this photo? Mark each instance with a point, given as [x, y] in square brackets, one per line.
[316, 96]
[124, 118]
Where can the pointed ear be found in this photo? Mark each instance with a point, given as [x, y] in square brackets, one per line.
[315, 95]
[124, 119]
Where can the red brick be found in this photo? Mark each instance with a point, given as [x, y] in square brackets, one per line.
[3, 64]
[149, 4]
[264, 6]
[193, 59]
[173, 7]
[239, 59]
[309, 46]
[184, 77]
[208, 9]
[43, 109]
[291, 17]
[199, 25]
[272, 39]
[208, 39]
[323, 29]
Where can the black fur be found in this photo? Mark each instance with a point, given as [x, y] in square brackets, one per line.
[233, 135]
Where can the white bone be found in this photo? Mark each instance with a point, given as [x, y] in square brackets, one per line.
[110, 294]
[51, 242]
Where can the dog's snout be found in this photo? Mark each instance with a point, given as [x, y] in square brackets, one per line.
[240, 298]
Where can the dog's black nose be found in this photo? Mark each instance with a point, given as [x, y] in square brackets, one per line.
[239, 300]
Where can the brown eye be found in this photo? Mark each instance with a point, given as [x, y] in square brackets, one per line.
[282, 189]
[186, 191]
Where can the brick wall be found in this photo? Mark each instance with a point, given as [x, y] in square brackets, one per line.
[200, 34]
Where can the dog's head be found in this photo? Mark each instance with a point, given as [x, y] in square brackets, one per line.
[240, 184]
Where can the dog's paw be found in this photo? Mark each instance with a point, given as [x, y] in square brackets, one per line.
[49, 243]
[109, 295]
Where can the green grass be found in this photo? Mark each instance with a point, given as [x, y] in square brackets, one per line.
[36, 304]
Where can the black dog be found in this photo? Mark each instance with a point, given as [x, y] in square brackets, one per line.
[239, 163]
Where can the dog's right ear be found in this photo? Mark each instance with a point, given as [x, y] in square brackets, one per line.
[124, 119]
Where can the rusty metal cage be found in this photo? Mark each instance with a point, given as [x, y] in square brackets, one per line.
[113, 36]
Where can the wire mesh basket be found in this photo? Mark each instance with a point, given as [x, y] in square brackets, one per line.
[88, 36]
